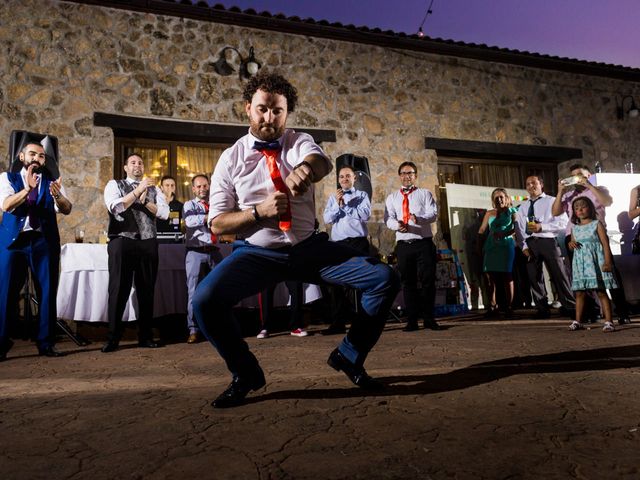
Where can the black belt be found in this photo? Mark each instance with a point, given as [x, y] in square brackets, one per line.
[414, 240]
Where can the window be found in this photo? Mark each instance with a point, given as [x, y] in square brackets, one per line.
[489, 173]
[181, 160]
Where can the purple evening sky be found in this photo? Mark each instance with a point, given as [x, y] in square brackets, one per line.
[596, 30]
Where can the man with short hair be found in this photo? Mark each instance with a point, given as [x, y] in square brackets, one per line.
[29, 238]
[410, 211]
[202, 251]
[262, 190]
[536, 232]
[347, 212]
[133, 204]
[600, 197]
[171, 224]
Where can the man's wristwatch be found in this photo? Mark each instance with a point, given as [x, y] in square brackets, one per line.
[256, 215]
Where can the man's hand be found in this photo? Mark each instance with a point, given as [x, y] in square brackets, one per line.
[607, 267]
[299, 180]
[412, 218]
[402, 227]
[527, 253]
[561, 187]
[340, 197]
[54, 188]
[32, 178]
[534, 227]
[274, 205]
[141, 190]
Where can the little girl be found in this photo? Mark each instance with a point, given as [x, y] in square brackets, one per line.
[592, 260]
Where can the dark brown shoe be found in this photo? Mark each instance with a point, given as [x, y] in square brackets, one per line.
[194, 338]
[49, 352]
[432, 325]
[4, 349]
[148, 344]
[109, 347]
[411, 327]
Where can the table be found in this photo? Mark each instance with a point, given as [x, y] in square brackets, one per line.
[84, 280]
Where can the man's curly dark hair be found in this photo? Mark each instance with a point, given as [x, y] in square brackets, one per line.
[271, 83]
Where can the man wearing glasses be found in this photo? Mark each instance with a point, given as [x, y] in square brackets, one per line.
[410, 211]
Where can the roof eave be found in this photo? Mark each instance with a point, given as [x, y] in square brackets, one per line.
[311, 28]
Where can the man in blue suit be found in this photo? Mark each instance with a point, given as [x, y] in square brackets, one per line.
[29, 238]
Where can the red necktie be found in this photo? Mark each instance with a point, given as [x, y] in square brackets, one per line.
[274, 171]
[405, 204]
[205, 205]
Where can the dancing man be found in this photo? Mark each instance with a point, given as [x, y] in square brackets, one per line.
[262, 190]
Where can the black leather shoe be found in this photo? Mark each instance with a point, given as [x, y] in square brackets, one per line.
[148, 344]
[542, 314]
[236, 392]
[624, 320]
[432, 325]
[358, 375]
[49, 352]
[109, 347]
[334, 330]
[410, 327]
[4, 349]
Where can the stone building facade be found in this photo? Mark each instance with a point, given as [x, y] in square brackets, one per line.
[64, 61]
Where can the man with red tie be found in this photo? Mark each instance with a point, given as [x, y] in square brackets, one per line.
[410, 211]
[202, 252]
[262, 191]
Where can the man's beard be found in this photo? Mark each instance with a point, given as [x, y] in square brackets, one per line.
[38, 168]
[266, 136]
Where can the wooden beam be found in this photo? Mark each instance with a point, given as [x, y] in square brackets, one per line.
[500, 151]
[129, 126]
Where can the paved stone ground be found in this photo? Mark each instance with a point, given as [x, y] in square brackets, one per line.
[480, 400]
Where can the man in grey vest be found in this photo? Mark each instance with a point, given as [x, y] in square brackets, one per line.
[133, 204]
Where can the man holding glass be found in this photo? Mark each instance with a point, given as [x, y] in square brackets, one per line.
[536, 232]
[133, 203]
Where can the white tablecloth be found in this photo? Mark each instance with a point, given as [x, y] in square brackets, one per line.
[84, 280]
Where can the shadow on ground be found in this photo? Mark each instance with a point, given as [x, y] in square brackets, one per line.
[478, 374]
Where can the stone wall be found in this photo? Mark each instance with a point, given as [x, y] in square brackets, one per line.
[64, 61]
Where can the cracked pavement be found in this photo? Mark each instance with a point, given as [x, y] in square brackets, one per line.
[479, 400]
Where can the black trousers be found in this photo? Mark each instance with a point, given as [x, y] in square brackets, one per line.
[547, 251]
[417, 263]
[340, 298]
[131, 261]
[296, 319]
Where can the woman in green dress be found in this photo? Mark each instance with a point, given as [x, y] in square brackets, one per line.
[499, 250]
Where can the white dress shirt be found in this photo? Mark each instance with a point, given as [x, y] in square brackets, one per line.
[421, 204]
[197, 232]
[551, 225]
[6, 190]
[241, 180]
[350, 219]
[114, 200]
